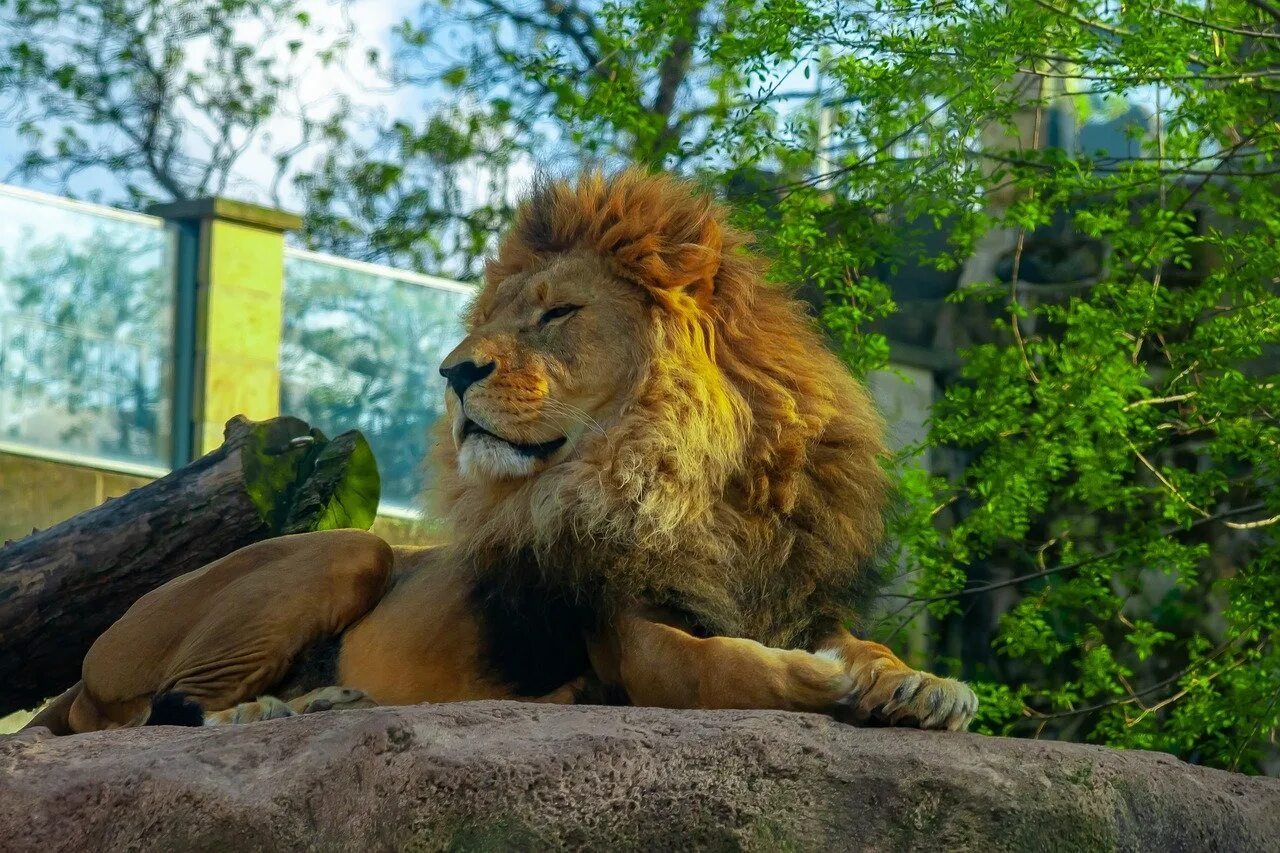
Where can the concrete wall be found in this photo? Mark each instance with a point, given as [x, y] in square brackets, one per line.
[37, 493]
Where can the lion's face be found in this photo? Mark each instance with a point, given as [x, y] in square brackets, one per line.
[550, 355]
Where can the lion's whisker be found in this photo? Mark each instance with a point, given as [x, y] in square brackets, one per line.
[576, 414]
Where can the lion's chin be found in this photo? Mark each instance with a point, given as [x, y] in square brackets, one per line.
[486, 457]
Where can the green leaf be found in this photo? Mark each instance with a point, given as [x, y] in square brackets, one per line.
[455, 76]
[341, 490]
[273, 458]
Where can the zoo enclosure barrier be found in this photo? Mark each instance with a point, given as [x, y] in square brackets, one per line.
[127, 341]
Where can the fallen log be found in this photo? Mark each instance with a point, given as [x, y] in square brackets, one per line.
[62, 586]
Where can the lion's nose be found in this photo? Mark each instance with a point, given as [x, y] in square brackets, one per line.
[464, 374]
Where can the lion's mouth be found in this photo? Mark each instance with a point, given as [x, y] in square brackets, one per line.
[537, 451]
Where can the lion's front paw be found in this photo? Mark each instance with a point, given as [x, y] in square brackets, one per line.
[908, 697]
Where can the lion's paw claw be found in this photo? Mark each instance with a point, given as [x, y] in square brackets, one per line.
[916, 699]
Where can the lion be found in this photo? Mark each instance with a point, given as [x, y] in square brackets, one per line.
[663, 490]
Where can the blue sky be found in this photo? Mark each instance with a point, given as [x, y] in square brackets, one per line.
[371, 21]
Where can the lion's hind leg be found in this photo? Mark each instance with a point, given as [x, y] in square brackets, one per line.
[232, 630]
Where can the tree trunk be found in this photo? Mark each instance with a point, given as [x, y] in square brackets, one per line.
[61, 587]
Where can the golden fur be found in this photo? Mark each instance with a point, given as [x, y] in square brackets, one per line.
[739, 481]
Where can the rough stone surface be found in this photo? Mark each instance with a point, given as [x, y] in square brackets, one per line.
[500, 775]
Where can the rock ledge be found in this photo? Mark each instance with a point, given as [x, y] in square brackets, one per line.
[503, 775]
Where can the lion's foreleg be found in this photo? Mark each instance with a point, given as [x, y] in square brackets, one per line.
[664, 666]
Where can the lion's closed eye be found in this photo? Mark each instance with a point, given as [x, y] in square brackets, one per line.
[557, 312]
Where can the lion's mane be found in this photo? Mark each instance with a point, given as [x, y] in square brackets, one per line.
[741, 483]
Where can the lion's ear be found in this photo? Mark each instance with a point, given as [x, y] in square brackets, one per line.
[700, 263]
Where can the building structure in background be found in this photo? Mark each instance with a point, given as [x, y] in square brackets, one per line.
[127, 341]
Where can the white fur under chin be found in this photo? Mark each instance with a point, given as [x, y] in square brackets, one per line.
[483, 457]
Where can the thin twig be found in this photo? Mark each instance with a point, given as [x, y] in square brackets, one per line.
[1266, 7]
[1153, 401]
[1235, 761]
[1221, 28]
[1161, 477]
[1251, 525]
[1164, 203]
[1134, 696]
[1242, 76]
[1169, 700]
[1014, 304]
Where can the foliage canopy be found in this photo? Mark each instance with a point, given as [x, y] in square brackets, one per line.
[1104, 560]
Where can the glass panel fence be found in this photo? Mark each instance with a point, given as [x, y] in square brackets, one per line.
[86, 312]
[361, 348]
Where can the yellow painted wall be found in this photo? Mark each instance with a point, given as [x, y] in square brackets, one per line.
[240, 300]
[38, 493]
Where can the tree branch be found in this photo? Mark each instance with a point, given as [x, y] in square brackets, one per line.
[1067, 567]
[675, 65]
